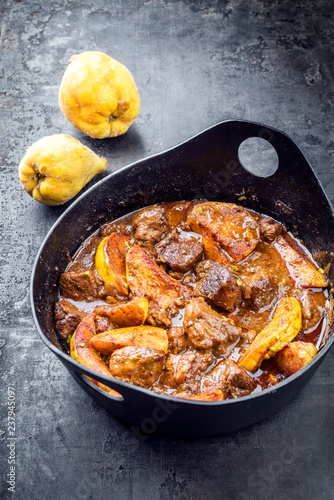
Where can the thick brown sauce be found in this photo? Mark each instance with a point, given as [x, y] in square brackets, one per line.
[265, 254]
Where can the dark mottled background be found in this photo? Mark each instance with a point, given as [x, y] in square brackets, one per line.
[195, 63]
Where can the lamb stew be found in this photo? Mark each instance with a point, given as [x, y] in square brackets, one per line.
[195, 299]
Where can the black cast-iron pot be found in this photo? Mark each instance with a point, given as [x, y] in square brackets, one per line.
[206, 166]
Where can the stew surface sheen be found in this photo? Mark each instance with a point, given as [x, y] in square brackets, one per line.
[200, 300]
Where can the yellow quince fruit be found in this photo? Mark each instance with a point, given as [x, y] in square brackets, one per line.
[98, 95]
[55, 168]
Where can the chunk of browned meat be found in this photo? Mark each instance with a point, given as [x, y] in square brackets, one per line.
[259, 289]
[179, 254]
[208, 329]
[81, 285]
[137, 365]
[67, 318]
[177, 340]
[269, 229]
[103, 324]
[184, 371]
[246, 338]
[150, 224]
[313, 309]
[230, 378]
[261, 276]
[218, 285]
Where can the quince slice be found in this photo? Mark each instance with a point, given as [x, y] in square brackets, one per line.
[230, 225]
[300, 267]
[145, 278]
[82, 351]
[282, 329]
[140, 336]
[98, 95]
[110, 262]
[212, 250]
[132, 313]
[214, 395]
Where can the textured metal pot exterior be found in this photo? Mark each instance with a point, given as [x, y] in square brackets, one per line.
[206, 166]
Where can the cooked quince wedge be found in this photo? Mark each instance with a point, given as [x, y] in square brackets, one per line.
[282, 329]
[55, 168]
[295, 356]
[132, 313]
[98, 95]
[140, 336]
[214, 395]
[146, 279]
[212, 250]
[232, 226]
[299, 266]
[110, 262]
[82, 351]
